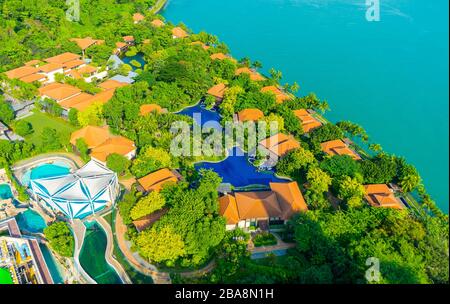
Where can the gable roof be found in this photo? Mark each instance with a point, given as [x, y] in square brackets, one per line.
[33, 77]
[128, 38]
[178, 32]
[338, 147]
[32, 62]
[111, 84]
[138, 17]
[308, 122]
[84, 43]
[218, 90]
[279, 94]
[148, 108]
[21, 72]
[250, 114]
[74, 101]
[380, 195]
[255, 76]
[59, 91]
[73, 63]
[154, 181]
[102, 97]
[63, 58]
[157, 23]
[50, 67]
[280, 144]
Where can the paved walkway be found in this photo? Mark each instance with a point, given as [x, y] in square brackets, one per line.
[110, 249]
[267, 249]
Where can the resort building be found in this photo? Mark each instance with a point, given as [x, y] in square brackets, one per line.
[218, 91]
[338, 147]
[129, 40]
[79, 194]
[255, 76]
[120, 47]
[149, 108]
[58, 91]
[138, 17]
[85, 43]
[250, 115]
[67, 60]
[102, 143]
[380, 195]
[308, 122]
[178, 32]
[50, 69]
[156, 180]
[279, 94]
[262, 208]
[157, 23]
[111, 84]
[279, 145]
[222, 56]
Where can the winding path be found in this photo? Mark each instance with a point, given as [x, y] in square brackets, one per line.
[79, 231]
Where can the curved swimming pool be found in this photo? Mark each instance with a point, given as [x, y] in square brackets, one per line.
[92, 256]
[44, 171]
[5, 191]
[31, 221]
[239, 172]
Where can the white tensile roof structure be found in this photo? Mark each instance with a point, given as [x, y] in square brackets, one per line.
[81, 193]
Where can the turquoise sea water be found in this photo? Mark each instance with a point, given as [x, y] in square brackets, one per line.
[389, 76]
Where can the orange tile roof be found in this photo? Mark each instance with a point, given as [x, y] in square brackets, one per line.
[282, 201]
[309, 123]
[73, 63]
[338, 147]
[128, 38]
[74, 74]
[218, 90]
[92, 135]
[157, 23]
[178, 32]
[250, 114]
[261, 204]
[33, 77]
[280, 95]
[59, 91]
[154, 181]
[228, 209]
[117, 144]
[280, 144]
[111, 84]
[218, 56]
[138, 17]
[50, 67]
[255, 76]
[63, 58]
[120, 44]
[21, 72]
[32, 62]
[290, 198]
[87, 69]
[380, 195]
[74, 101]
[148, 108]
[84, 43]
[102, 97]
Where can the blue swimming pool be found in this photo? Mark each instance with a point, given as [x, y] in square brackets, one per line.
[239, 172]
[139, 57]
[5, 191]
[31, 221]
[202, 117]
[45, 170]
[52, 265]
[262, 255]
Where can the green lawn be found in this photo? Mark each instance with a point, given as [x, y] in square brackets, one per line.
[40, 120]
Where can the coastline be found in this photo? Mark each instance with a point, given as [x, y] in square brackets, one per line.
[159, 6]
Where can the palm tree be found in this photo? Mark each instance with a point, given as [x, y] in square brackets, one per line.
[257, 65]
